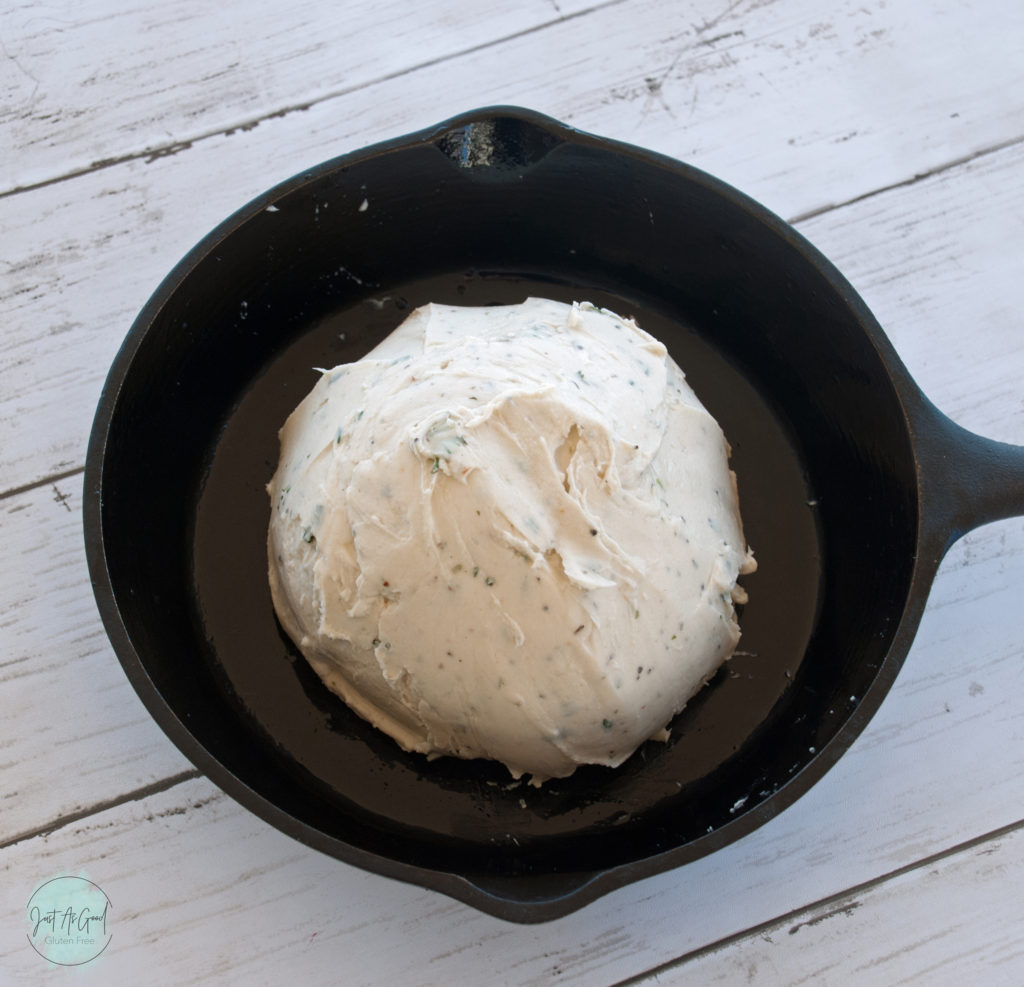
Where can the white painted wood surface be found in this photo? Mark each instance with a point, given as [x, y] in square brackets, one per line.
[892, 132]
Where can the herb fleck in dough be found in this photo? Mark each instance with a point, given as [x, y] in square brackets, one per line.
[509, 533]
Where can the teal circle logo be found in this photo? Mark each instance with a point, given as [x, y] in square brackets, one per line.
[69, 920]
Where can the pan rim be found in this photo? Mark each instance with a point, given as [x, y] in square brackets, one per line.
[463, 887]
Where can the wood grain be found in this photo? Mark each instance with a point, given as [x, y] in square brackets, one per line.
[893, 134]
[79, 258]
[87, 83]
[974, 938]
[940, 262]
[941, 763]
[187, 867]
[54, 635]
[75, 734]
[692, 78]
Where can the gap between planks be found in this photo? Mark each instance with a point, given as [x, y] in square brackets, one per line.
[907, 182]
[43, 482]
[823, 907]
[167, 150]
[137, 795]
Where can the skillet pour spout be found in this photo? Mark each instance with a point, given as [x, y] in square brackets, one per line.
[852, 487]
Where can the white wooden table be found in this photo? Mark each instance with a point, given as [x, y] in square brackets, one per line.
[890, 133]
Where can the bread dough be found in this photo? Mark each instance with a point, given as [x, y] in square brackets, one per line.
[510, 533]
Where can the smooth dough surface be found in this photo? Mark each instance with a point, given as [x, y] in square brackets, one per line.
[509, 533]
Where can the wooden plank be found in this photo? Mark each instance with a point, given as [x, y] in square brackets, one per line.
[941, 271]
[957, 920]
[926, 278]
[87, 82]
[941, 763]
[738, 85]
[202, 888]
[748, 89]
[79, 258]
[206, 891]
[74, 732]
[92, 253]
[883, 248]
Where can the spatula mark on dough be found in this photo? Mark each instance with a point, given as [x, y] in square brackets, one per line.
[564, 454]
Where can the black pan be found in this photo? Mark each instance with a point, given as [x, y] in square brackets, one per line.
[852, 488]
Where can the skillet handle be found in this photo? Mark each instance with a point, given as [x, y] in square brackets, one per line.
[966, 480]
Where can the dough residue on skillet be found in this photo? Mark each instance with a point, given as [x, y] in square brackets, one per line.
[509, 533]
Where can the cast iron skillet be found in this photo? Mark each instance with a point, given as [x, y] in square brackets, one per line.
[852, 487]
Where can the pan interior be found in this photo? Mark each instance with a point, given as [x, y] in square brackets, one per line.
[285, 708]
[772, 348]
